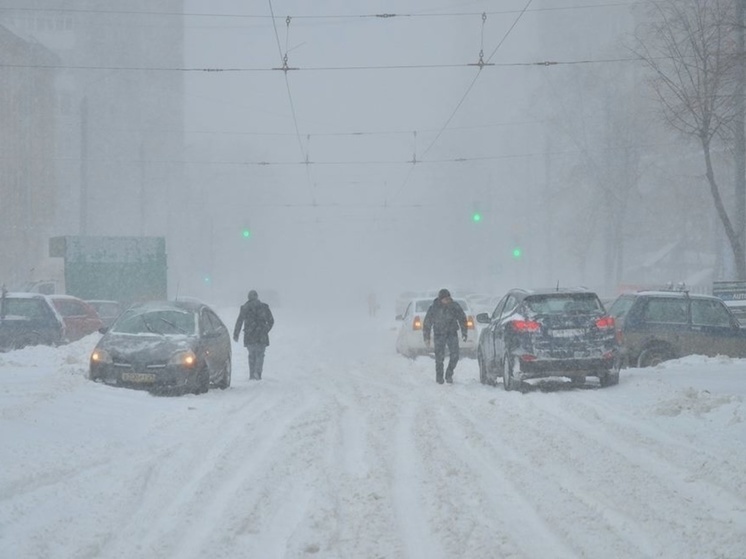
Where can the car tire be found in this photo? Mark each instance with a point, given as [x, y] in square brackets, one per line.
[509, 381]
[653, 356]
[482, 368]
[225, 379]
[608, 378]
[202, 381]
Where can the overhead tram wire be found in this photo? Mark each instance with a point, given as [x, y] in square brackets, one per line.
[480, 66]
[381, 16]
[218, 70]
[285, 68]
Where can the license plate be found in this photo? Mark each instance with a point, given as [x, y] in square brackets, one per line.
[567, 333]
[138, 377]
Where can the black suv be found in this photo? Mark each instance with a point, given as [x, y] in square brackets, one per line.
[654, 326]
[547, 333]
[28, 319]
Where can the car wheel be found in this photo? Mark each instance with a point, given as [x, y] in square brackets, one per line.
[609, 378]
[509, 380]
[202, 381]
[482, 368]
[653, 356]
[225, 380]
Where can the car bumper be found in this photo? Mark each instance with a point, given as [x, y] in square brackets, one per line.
[581, 367]
[172, 376]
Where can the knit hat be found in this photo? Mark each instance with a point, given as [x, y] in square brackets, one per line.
[443, 293]
[253, 295]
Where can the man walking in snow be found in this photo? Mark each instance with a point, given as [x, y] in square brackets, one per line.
[256, 320]
[444, 318]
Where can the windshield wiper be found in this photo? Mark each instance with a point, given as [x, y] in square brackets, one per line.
[149, 327]
[172, 325]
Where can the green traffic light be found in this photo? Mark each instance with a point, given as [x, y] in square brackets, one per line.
[246, 233]
[517, 252]
[476, 217]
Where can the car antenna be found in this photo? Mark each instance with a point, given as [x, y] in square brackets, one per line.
[557, 285]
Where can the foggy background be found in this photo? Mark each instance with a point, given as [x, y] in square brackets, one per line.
[361, 168]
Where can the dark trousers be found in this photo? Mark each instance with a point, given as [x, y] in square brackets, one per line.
[440, 341]
[256, 360]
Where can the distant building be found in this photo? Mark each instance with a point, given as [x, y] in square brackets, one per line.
[27, 155]
[118, 107]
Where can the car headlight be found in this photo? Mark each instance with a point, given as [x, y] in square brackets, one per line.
[183, 359]
[100, 356]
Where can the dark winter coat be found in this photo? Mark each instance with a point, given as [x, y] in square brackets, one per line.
[444, 319]
[256, 320]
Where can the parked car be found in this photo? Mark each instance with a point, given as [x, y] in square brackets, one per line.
[547, 333]
[165, 345]
[81, 319]
[28, 319]
[409, 341]
[107, 311]
[654, 326]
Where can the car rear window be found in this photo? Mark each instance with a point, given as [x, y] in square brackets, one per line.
[556, 304]
[422, 306]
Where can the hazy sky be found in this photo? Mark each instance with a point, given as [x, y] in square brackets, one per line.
[360, 215]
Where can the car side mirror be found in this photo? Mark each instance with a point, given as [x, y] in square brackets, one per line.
[483, 318]
[103, 330]
[399, 317]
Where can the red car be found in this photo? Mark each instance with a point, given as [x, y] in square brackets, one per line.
[80, 318]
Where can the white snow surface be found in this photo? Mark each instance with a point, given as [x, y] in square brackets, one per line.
[347, 450]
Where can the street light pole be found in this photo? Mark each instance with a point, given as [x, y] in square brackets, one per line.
[83, 227]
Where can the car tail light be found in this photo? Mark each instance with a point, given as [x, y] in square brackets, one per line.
[525, 326]
[417, 323]
[527, 357]
[470, 322]
[605, 323]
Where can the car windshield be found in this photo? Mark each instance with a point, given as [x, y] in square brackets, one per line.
[561, 304]
[161, 321]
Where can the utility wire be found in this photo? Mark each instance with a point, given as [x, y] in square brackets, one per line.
[463, 98]
[216, 70]
[284, 58]
[380, 16]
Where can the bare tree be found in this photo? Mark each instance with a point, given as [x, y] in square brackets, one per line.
[691, 48]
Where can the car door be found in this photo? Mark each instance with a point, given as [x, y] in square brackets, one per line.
[715, 331]
[214, 342]
[402, 340]
[501, 325]
[490, 332]
[661, 321]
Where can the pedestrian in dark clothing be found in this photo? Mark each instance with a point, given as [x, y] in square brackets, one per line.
[256, 320]
[444, 318]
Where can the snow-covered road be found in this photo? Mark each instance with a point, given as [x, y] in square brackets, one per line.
[347, 450]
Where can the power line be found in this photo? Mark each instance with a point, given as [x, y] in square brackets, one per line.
[541, 63]
[378, 16]
[284, 58]
[465, 95]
